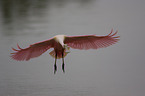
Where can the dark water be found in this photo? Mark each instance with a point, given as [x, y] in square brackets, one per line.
[114, 71]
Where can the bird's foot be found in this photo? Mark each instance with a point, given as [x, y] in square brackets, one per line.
[55, 68]
[63, 68]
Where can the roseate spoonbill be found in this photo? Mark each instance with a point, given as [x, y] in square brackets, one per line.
[62, 43]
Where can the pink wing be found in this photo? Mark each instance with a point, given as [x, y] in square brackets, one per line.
[32, 51]
[91, 41]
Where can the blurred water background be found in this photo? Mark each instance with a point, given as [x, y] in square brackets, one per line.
[118, 70]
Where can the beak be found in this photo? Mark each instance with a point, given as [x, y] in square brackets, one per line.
[67, 49]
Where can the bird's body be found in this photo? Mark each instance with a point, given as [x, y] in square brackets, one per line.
[59, 46]
[62, 43]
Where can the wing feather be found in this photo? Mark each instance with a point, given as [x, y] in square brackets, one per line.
[91, 41]
[32, 51]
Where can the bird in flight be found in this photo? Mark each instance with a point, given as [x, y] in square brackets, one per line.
[61, 45]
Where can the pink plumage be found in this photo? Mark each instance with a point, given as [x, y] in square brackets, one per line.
[91, 41]
[61, 42]
[32, 51]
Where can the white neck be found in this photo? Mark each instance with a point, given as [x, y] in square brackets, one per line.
[60, 39]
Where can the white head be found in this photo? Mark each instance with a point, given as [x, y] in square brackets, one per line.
[60, 39]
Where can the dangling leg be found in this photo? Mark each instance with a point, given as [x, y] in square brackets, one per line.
[55, 66]
[63, 62]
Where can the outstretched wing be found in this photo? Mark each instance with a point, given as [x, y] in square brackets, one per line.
[32, 51]
[91, 41]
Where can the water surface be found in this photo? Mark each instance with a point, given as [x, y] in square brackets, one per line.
[114, 71]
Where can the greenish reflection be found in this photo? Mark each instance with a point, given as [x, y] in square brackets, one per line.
[15, 13]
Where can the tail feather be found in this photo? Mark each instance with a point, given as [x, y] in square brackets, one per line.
[59, 55]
